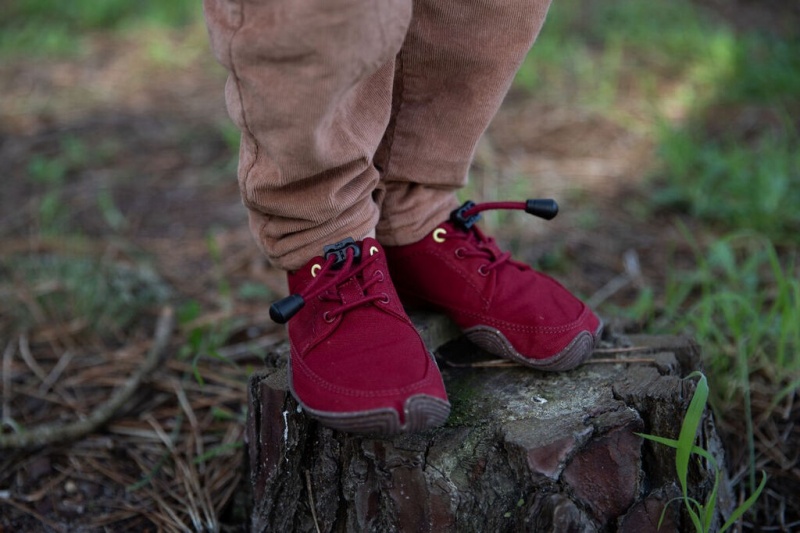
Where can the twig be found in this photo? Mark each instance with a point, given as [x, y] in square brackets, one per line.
[632, 275]
[51, 433]
[625, 360]
[8, 353]
[623, 350]
[183, 401]
[503, 363]
[311, 501]
[27, 356]
[46, 489]
[41, 518]
[55, 373]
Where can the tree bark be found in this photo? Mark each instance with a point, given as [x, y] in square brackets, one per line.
[522, 450]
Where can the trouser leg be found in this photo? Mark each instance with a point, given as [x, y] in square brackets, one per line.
[451, 75]
[310, 88]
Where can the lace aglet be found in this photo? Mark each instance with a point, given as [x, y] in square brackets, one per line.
[545, 208]
[285, 308]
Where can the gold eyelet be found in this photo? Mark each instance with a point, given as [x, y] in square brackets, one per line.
[314, 270]
[438, 234]
[373, 250]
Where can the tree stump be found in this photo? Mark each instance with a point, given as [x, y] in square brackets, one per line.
[522, 450]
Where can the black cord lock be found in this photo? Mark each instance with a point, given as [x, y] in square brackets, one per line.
[339, 252]
[459, 216]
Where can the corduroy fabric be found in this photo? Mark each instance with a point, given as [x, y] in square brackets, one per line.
[356, 114]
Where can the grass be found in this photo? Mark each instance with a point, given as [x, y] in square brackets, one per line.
[594, 55]
[752, 186]
[46, 28]
[720, 103]
[99, 296]
[702, 514]
[741, 300]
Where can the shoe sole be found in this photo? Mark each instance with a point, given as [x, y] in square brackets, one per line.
[576, 352]
[420, 411]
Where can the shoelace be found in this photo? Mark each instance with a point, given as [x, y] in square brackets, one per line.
[337, 269]
[469, 212]
[479, 245]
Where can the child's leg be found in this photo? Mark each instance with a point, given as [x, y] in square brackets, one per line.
[310, 87]
[454, 69]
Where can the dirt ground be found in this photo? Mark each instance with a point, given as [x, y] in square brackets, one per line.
[158, 145]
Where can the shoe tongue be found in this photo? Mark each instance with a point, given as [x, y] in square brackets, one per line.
[302, 278]
[350, 291]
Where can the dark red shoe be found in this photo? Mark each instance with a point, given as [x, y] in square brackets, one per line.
[503, 306]
[357, 363]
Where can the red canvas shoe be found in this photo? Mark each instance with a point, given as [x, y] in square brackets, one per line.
[357, 363]
[503, 306]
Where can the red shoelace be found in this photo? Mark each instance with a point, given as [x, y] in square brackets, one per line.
[339, 267]
[478, 244]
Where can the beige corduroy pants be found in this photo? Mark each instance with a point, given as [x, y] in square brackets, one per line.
[361, 116]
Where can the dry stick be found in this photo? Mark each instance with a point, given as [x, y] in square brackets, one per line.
[27, 356]
[45, 490]
[51, 433]
[183, 401]
[623, 360]
[8, 353]
[625, 349]
[55, 373]
[41, 518]
[311, 501]
[502, 363]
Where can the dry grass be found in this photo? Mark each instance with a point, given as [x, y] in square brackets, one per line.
[170, 458]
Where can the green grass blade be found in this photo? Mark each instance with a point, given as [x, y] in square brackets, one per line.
[711, 504]
[689, 429]
[698, 525]
[672, 443]
[746, 505]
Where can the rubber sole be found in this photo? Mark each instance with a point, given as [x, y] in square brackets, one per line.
[420, 412]
[576, 352]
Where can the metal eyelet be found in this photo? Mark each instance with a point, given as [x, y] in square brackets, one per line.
[315, 269]
[460, 253]
[482, 271]
[384, 299]
[327, 317]
[438, 234]
[379, 275]
[373, 250]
